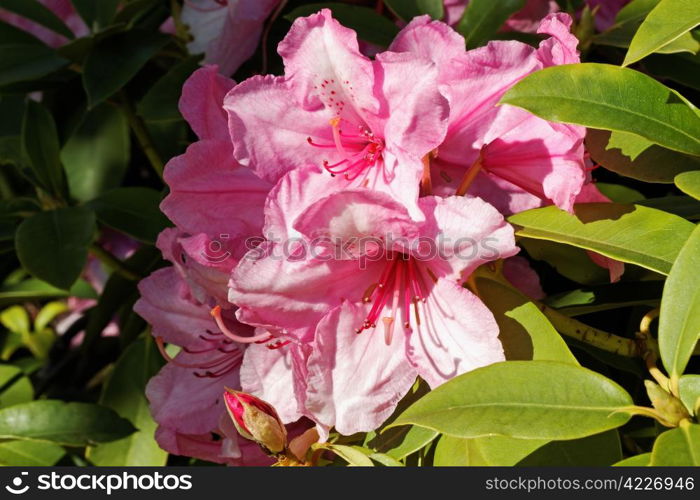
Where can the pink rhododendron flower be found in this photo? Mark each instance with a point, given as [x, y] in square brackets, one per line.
[503, 154]
[526, 20]
[63, 9]
[357, 117]
[373, 297]
[226, 31]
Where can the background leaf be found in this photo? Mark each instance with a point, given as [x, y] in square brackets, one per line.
[41, 148]
[408, 9]
[677, 447]
[29, 454]
[483, 18]
[689, 183]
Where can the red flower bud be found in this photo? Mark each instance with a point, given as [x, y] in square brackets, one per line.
[256, 420]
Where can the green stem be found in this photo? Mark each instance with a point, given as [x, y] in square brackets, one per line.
[138, 127]
[113, 263]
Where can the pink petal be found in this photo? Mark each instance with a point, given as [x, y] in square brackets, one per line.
[201, 103]
[355, 381]
[560, 48]
[457, 333]
[322, 60]
[517, 270]
[430, 40]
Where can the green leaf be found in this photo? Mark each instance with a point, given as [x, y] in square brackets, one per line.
[96, 14]
[161, 102]
[489, 450]
[483, 18]
[619, 193]
[29, 454]
[573, 263]
[70, 424]
[522, 399]
[408, 9]
[681, 68]
[53, 245]
[35, 11]
[133, 211]
[685, 43]
[41, 148]
[604, 297]
[16, 319]
[353, 455]
[610, 98]
[524, 331]
[48, 313]
[677, 447]
[654, 164]
[399, 442]
[125, 394]
[679, 321]
[593, 451]
[370, 26]
[21, 62]
[96, 155]
[683, 206]
[635, 461]
[15, 387]
[33, 289]
[689, 388]
[630, 233]
[114, 60]
[689, 183]
[665, 23]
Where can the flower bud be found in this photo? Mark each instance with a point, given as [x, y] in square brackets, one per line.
[256, 420]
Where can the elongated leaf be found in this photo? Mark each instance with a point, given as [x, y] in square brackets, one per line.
[96, 14]
[679, 322]
[33, 289]
[635, 461]
[161, 101]
[689, 183]
[41, 148]
[630, 233]
[522, 399]
[677, 447]
[489, 450]
[71, 424]
[689, 387]
[370, 26]
[604, 297]
[399, 442]
[37, 12]
[610, 98]
[29, 454]
[408, 9]
[133, 211]
[483, 18]
[665, 23]
[97, 154]
[524, 331]
[654, 164]
[353, 455]
[115, 59]
[681, 68]
[125, 394]
[15, 387]
[20, 62]
[53, 245]
[598, 450]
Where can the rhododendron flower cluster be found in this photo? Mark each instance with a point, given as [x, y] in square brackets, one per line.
[329, 220]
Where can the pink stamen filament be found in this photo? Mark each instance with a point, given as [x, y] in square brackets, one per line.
[226, 362]
[216, 313]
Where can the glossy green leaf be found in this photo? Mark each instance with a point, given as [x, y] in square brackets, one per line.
[125, 394]
[483, 451]
[604, 297]
[370, 26]
[524, 331]
[573, 263]
[679, 322]
[53, 245]
[408, 9]
[677, 447]
[608, 97]
[96, 155]
[161, 102]
[399, 442]
[689, 183]
[29, 454]
[619, 193]
[630, 233]
[41, 148]
[593, 451]
[689, 388]
[654, 164]
[114, 60]
[33, 289]
[37, 12]
[635, 461]
[483, 18]
[133, 211]
[70, 424]
[96, 14]
[522, 399]
[681, 68]
[15, 387]
[16, 319]
[665, 23]
[353, 455]
[683, 206]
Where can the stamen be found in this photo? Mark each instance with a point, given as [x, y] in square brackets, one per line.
[216, 313]
[426, 183]
[469, 177]
[335, 126]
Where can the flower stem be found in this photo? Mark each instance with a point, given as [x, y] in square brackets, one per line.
[138, 127]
